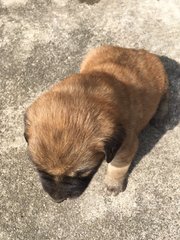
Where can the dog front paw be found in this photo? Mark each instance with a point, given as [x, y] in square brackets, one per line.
[116, 179]
[114, 186]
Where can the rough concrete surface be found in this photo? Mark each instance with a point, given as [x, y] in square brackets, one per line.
[42, 41]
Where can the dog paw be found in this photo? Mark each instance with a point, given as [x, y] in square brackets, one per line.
[113, 186]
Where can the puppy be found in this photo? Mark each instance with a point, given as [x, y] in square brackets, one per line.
[94, 115]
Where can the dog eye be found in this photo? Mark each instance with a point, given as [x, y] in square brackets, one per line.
[26, 137]
[45, 175]
[86, 172]
[70, 180]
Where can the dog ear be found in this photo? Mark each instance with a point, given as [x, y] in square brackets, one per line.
[113, 143]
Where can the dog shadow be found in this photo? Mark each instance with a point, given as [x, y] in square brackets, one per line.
[153, 133]
[89, 2]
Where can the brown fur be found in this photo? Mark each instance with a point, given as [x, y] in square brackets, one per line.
[96, 114]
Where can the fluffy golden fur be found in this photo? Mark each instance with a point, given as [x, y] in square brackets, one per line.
[94, 115]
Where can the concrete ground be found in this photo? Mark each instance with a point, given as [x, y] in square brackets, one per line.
[42, 41]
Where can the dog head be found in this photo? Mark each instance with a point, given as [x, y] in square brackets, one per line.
[68, 138]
